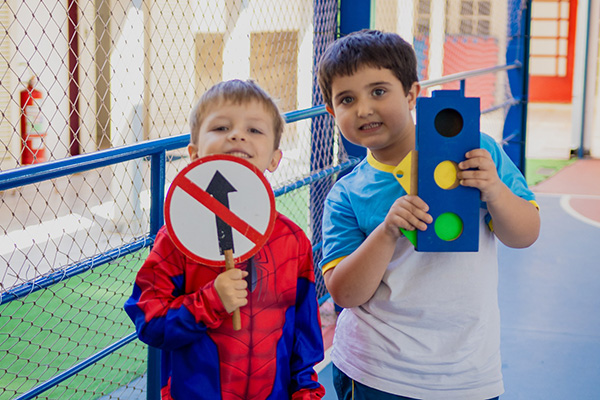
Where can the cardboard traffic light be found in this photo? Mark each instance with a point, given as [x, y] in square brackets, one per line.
[447, 128]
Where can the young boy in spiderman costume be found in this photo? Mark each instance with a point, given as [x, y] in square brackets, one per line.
[184, 308]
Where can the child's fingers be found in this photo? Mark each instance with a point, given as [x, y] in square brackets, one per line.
[409, 222]
[239, 298]
[416, 202]
[410, 212]
[230, 284]
[242, 302]
[231, 288]
[240, 284]
[478, 153]
[477, 158]
[472, 174]
[478, 172]
[235, 274]
[236, 279]
[473, 164]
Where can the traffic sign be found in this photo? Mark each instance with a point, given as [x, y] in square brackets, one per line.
[220, 203]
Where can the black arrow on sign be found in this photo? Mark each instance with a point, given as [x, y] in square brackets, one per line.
[219, 188]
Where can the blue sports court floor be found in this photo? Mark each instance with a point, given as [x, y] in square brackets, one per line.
[550, 296]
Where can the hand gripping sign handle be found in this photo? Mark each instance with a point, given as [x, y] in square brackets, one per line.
[229, 264]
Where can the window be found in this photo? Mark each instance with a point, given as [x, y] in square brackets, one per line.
[474, 17]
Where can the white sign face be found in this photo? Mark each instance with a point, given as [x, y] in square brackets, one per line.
[217, 203]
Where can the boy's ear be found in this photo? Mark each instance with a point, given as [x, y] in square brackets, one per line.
[413, 93]
[193, 151]
[330, 111]
[275, 160]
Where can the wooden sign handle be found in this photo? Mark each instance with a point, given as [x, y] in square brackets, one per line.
[229, 264]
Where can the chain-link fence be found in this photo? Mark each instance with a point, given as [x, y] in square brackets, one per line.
[113, 72]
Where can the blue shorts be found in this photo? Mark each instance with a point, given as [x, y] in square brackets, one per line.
[349, 389]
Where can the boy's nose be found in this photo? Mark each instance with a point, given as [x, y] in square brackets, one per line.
[364, 110]
[237, 134]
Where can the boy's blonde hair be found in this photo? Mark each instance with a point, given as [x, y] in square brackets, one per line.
[234, 91]
[367, 48]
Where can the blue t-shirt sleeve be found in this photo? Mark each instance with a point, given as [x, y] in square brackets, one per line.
[507, 170]
[341, 232]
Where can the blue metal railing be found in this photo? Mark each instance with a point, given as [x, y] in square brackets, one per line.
[58, 168]
[156, 151]
[49, 384]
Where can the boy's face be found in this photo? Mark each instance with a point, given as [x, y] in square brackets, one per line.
[242, 130]
[372, 110]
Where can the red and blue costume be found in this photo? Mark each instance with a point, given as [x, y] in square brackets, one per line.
[176, 308]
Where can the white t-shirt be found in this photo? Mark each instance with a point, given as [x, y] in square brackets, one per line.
[432, 328]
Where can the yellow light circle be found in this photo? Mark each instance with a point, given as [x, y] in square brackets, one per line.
[445, 175]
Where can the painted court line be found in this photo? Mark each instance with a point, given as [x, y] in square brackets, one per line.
[566, 205]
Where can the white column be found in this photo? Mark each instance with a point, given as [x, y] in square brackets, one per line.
[127, 88]
[437, 36]
[584, 74]
[406, 20]
[592, 133]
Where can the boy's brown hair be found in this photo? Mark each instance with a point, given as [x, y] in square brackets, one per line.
[367, 48]
[234, 91]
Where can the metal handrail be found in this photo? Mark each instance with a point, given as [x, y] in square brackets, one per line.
[460, 76]
[67, 166]
[75, 269]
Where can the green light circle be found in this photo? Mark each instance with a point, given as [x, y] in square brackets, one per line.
[448, 226]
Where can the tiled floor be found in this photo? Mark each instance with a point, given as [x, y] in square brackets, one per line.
[549, 294]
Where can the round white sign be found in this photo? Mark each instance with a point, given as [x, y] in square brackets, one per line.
[219, 203]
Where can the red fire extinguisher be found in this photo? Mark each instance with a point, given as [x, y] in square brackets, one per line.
[33, 125]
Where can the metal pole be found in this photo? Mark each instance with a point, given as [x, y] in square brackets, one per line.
[354, 16]
[517, 51]
[157, 188]
[322, 127]
[588, 69]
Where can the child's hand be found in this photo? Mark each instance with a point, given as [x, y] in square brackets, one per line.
[408, 212]
[231, 287]
[479, 171]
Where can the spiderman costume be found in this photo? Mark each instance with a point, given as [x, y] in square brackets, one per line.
[176, 308]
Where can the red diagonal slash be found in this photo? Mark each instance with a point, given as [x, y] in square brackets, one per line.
[220, 210]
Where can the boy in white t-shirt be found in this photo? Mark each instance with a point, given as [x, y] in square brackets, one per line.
[415, 325]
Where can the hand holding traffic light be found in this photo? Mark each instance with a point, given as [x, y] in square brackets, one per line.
[479, 171]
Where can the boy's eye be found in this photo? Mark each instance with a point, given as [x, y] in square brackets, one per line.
[378, 92]
[220, 128]
[346, 100]
[254, 130]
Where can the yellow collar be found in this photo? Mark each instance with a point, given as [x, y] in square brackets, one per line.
[378, 165]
